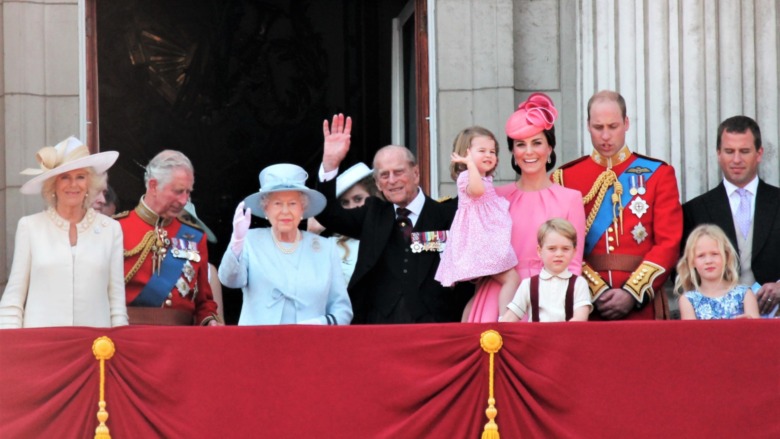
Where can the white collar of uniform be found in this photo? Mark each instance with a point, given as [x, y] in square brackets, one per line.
[417, 203]
[751, 187]
[546, 275]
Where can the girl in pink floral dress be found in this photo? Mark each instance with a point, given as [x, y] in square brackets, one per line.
[478, 243]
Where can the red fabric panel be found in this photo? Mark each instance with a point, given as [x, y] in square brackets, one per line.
[600, 380]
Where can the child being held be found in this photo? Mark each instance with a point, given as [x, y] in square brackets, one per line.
[479, 241]
[555, 294]
[707, 276]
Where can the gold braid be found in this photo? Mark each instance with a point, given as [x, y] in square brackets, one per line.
[143, 247]
[599, 190]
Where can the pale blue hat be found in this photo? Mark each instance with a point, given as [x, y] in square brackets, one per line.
[284, 177]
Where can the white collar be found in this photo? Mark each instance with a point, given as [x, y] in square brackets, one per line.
[417, 203]
[546, 275]
[751, 187]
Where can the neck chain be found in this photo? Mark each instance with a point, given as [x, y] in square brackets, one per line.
[285, 248]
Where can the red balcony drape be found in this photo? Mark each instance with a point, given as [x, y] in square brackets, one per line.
[557, 380]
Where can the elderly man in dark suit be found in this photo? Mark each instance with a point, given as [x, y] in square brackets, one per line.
[745, 207]
[393, 280]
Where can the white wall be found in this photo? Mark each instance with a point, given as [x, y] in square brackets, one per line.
[682, 65]
[39, 99]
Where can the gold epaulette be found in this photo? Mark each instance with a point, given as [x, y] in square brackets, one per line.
[120, 215]
[557, 176]
[595, 282]
[641, 280]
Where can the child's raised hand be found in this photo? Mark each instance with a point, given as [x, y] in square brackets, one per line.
[456, 158]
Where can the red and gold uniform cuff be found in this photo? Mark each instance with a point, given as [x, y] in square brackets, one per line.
[641, 280]
[595, 282]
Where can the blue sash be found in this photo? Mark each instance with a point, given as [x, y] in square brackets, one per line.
[156, 291]
[604, 216]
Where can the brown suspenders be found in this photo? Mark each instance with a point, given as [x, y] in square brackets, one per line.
[535, 298]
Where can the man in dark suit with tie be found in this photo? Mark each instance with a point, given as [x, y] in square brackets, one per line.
[392, 281]
[745, 207]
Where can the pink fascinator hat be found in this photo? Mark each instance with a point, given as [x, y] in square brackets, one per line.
[532, 117]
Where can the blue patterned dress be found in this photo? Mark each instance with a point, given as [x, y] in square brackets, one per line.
[728, 306]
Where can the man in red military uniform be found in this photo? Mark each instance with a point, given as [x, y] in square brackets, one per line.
[633, 217]
[166, 257]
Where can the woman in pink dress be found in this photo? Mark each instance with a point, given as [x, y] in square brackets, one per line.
[533, 198]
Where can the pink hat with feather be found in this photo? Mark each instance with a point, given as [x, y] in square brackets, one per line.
[532, 117]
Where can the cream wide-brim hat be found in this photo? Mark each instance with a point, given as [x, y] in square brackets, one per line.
[351, 177]
[66, 156]
[285, 177]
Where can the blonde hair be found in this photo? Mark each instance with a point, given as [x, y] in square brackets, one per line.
[95, 185]
[462, 143]
[559, 226]
[687, 277]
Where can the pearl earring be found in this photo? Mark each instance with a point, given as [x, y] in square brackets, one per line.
[549, 160]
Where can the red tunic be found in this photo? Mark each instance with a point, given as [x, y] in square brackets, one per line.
[198, 299]
[639, 256]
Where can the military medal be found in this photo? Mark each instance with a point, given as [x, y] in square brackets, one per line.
[315, 245]
[638, 207]
[639, 232]
[633, 190]
[433, 241]
[641, 190]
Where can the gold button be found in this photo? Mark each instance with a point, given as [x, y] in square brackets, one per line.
[170, 295]
[168, 302]
[644, 270]
[611, 248]
[635, 282]
[610, 239]
[610, 230]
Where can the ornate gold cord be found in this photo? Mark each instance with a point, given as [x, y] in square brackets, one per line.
[103, 349]
[491, 343]
[143, 247]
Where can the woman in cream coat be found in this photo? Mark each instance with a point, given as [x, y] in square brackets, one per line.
[287, 276]
[68, 264]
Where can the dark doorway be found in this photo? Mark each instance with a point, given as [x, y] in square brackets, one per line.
[237, 85]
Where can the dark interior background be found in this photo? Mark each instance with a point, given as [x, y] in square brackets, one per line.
[237, 85]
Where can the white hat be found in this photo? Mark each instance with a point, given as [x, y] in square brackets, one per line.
[351, 176]
[190, 209]
[64, 157]
[281, 178]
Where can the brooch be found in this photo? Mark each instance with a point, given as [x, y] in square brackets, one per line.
[638, 207]
[639, 232]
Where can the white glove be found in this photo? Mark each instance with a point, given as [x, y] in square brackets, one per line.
[241, 221]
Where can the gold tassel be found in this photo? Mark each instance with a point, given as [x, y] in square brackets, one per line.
[103, 348]
[491, 343]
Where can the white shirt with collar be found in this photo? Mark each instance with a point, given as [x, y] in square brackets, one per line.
[552, 296]
[731, 192]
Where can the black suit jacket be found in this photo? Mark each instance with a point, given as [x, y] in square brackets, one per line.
[373, 224]
[713, 208]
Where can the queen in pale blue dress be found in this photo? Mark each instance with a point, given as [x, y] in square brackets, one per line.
[287, 276]
[728, 306]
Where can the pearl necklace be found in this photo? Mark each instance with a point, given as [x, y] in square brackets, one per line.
[63, 224]
[282, 247]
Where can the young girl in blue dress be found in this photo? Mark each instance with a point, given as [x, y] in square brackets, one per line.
[707, 278]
